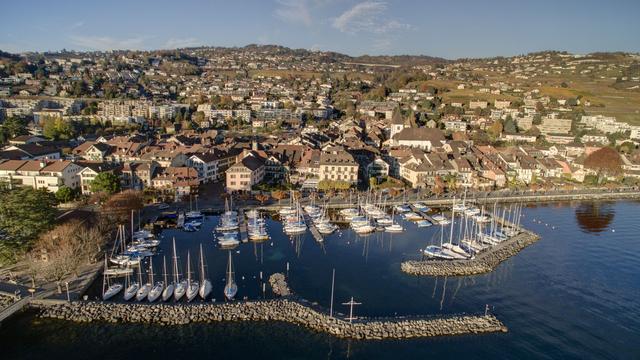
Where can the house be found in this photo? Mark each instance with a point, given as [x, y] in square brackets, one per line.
[206, 164]
[336, 164]
[36, 151]
[179, 181]
[41, 174]
[423, 138]
[138, 175]
[25, 139]
[378, 168]
[245, 173]
[89, 172]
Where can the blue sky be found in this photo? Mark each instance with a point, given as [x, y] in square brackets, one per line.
[450, 29]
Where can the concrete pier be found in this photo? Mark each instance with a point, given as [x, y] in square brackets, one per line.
[484, 262]
[284, 310]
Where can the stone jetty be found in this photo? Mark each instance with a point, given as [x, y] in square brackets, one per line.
[485, 262]
[284, 310]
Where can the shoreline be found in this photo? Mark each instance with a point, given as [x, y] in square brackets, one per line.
[284, 310]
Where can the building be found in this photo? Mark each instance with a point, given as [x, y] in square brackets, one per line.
[245, 173]
[336, 164]
[424, 138]
[41, 174]
[553, 125]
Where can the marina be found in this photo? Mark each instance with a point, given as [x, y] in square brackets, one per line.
[514, 290]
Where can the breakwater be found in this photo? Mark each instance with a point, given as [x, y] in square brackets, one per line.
[285, 310]
[484, 262]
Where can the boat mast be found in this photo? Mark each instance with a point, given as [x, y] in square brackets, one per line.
[151, 272]
[175, 262]
[453, 219]
[189, 268]
[164, 266]
[201, 265]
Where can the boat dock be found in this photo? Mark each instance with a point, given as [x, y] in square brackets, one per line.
[423, 214]
[312, 227]
[242, 222]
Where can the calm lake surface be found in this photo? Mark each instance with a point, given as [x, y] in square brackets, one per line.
[575, 294]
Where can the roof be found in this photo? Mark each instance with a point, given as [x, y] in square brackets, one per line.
[420, 134]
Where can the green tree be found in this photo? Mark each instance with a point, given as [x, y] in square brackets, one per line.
[105, 182]
[65, 194]
[24, 214]
[57, 128]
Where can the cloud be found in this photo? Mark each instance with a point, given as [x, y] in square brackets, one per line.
[78, 24]
[107, 43]
[294, 11]
[181, 43]
[367, 16]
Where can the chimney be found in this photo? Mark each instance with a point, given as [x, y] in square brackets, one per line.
[42, 164]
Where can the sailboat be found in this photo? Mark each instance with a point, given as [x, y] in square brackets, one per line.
[231, 288]
[157, 288]
[168, 290]
[394, 227]
[192, 285]
[131, 290]
[180, 285]
[205, 286]
[109, 290]
[143, 291]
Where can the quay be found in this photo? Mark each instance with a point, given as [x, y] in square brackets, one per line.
[288, 310]
[483, 263]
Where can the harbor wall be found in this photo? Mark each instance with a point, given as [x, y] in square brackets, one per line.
[483, 263]
[283, 310]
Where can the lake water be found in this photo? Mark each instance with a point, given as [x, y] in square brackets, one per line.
[575, 294]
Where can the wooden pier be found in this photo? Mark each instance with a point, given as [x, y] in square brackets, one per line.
[312, 227]
[244, 237]
[424, 215]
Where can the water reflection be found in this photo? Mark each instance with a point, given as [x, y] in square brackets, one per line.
[594, 217]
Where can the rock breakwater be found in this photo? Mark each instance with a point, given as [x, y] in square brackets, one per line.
[285, 310]
[483, 263]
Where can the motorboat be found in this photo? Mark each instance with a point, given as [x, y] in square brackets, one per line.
[423, 223]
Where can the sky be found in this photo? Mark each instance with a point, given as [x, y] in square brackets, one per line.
[445, 28]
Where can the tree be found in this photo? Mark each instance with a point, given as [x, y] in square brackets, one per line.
[65, 194]
[262, 198]
[57, 128]
[495, 130]
[121, 204]
[105, 182]
[509, 125]
[373, 182]
[279, 195]
[606, 160]
[24, 214]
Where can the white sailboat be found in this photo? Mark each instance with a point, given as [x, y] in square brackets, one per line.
[205, 284]
[109, 290]
[167, 293]
[192, 285]
[143, 291]
[180, 286]
[131, 290]
[231, 288]
[157, 288]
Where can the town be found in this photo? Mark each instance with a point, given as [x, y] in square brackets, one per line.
[260, 119]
